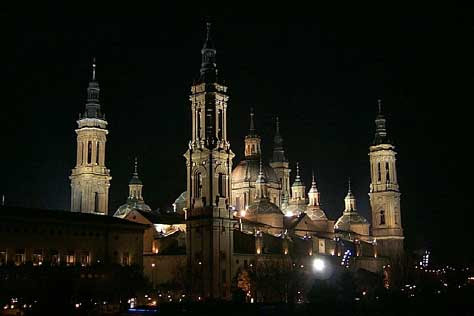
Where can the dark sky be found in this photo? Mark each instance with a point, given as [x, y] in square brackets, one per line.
[321, 74]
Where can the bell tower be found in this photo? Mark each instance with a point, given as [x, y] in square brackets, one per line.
[209, 166]
[384, 192]
[90, 179]
[280, 164]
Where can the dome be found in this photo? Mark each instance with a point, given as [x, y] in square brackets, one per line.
[263, 206]
[248, 170]
[294, 209]
[131, 205]
[349, 218]
[316, 213]
[180, 202]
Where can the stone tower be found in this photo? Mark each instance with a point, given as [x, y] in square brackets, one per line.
[384, 193]
[209, 165]
[280, 164]
[90, 179]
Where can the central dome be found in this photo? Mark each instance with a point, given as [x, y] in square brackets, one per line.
[347, 219]
[247, 171]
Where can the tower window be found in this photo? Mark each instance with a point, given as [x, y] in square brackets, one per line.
[198, 185]
[220, 124]
[89, 152]
[221, 185]
[387, 177]
[97, 153]
[96, 202]
[382, 217]
[379, 177]
[237, 202]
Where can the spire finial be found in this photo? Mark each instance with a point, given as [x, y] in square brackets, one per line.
[297, 169]
[349, 181]
[252, 124]
[208, 34]
[93, 69]
[277, 126]
[380, 129]
[135, 173]
[314, 181]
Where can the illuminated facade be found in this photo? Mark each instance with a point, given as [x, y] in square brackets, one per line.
[384, 193]
[238, 217]
[209, 166]
[90, 178]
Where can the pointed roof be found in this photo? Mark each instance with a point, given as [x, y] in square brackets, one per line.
[135, 179]
[252, 131]
[261, 176]
[93, 92]
[314, 188]
[278, 150]
[380, 127]
[208, 54]
[298, 182]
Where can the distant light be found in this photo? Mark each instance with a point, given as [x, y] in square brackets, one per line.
[152, 265]
[318, 264]
[243, 213]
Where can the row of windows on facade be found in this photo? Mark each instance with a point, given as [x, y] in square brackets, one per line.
[16, 229]
[54, 257]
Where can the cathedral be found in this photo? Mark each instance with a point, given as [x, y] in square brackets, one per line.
[233, 215]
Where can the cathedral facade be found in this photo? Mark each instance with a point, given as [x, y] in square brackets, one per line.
[237, 216]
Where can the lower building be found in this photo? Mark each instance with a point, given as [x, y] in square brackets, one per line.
[46, 237]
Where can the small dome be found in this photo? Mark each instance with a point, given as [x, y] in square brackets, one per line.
[131, 205]
[316, 213]
[248, 170]
[349, 218]
[263, 206]
[294, 209]
[180, 202]
[135, 180]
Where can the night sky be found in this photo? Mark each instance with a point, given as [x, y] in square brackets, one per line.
[321, 74]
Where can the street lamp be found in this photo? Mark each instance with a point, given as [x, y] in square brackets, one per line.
[319, 265]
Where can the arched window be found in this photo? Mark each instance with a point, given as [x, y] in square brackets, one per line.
[97, 153]
[198, 185]
[379, 177]
[89, 152]
[382, 217]
[387, 176]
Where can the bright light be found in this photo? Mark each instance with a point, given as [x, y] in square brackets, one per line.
[318, 264]
[243, 213]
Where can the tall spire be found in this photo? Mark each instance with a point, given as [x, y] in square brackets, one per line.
[93, 91]
[208, 63]
[278, 151]
[314, 188]
[260, 183]
[380, 128]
